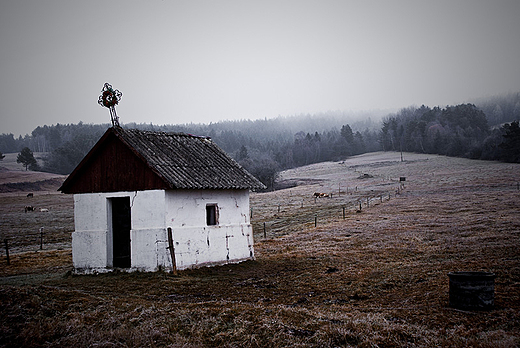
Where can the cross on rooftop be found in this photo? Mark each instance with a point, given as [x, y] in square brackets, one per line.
[110, 98]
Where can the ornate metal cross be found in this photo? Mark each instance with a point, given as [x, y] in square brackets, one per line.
[110, 98]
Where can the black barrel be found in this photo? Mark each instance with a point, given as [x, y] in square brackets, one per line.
[472, 290]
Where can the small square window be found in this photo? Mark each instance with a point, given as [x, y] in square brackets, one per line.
[211, 214]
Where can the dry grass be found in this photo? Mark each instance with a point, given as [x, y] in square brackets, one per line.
[377, 278]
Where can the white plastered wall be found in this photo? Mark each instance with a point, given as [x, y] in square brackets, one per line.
[152, 212]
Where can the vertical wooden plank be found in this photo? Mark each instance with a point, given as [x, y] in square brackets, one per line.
[172, 251]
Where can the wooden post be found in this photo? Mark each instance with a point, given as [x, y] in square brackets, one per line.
[265, 236]
[343, 213]
[368, 202]
[359, 205]
[251, 214]
[7, 251]
[278, 207]
[315, 220]
[41, 238]
[381, 198]
[172, 251]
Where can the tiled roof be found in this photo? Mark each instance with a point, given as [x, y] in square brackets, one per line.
[187, 161]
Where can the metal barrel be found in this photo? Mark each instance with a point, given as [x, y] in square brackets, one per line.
[472, 290]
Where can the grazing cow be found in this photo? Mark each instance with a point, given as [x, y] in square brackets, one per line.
[319, 194]
[29, 208]
[44, 210]
[30, 195]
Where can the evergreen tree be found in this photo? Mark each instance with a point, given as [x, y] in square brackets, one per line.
[26, 158]
[346, 132]
[242, 153]
[511, 143]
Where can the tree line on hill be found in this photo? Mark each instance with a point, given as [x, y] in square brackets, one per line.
[458, 131]
[265, 147]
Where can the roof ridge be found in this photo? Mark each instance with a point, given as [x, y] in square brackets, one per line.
[165, 132]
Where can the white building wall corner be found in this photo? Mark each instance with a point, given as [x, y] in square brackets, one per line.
[240, 243]
[207, 246]
[164, 260]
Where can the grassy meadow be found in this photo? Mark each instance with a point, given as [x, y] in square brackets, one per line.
[364, 267]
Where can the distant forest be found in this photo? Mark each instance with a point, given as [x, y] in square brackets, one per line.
[487, 130]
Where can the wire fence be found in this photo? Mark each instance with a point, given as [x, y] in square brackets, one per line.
[293, 215]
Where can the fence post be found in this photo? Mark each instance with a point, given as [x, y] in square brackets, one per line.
[264, 231]
[7, 251]
[343, 213]
[315, 220]
[41, 238]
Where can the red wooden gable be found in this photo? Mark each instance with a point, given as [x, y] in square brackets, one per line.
[112, 166]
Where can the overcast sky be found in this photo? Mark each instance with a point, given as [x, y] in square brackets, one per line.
[207, 61]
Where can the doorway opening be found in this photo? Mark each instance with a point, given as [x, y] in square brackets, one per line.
[120, 227]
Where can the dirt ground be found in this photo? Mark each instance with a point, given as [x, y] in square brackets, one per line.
[365, 267]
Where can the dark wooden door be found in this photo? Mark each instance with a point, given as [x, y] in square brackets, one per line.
[121, 224]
